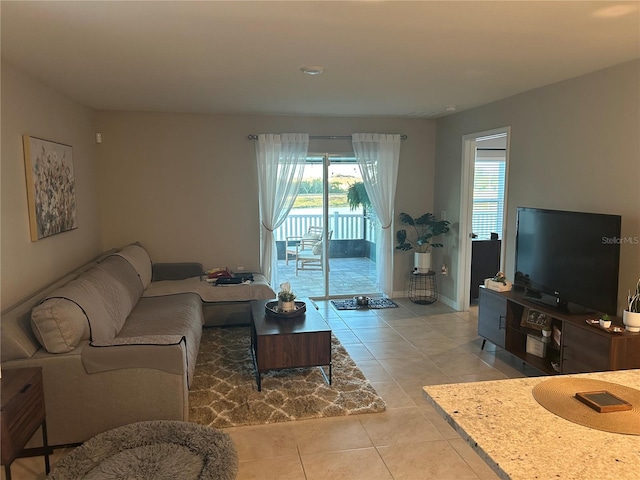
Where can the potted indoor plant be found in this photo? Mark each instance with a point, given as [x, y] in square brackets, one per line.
[286, 298]
[605, 321]
[423, 230]
[631, 315]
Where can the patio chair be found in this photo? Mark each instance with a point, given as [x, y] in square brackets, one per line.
[309, 254]
[292, 244]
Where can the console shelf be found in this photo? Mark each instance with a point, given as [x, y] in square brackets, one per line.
[582, 347]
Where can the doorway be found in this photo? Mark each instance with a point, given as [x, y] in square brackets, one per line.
[343, 263]
[485, 167]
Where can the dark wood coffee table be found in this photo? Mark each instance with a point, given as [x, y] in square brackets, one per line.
[278, 343]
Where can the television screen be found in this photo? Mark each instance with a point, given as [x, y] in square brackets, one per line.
[571, 256]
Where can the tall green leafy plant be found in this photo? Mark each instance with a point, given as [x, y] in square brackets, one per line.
[357, 196]
[422, 232]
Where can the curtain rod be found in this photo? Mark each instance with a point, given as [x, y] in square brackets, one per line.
[325, 137]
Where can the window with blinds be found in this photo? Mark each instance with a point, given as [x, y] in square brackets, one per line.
[488, 193]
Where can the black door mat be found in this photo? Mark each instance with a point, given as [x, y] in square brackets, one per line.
[350, 304]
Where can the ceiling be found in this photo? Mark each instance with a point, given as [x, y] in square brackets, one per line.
[381, 58]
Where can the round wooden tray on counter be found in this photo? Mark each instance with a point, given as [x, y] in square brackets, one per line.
[271, 309]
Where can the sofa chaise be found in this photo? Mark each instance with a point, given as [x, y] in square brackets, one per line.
[117, 340]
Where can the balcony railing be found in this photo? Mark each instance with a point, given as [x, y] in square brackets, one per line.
[345, 226]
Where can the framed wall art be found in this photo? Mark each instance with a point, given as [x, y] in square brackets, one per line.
[51, 187]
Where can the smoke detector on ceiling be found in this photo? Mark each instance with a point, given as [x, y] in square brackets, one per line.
[312, 70]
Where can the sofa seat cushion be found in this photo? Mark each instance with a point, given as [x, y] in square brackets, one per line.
[59, 325]
[152, 326]
[259, 289]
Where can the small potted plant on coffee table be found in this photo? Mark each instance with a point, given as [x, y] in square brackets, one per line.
[286, 298]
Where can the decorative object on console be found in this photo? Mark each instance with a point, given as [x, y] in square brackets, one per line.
[605, 321]
[425, 228]
[534, 319]
[51, 187]
[536, 346]
[498, 283]
[631, 315]
[286, 298]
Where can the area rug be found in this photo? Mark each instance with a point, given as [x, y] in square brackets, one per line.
[224, 392]
[153, 450]
[351, 304]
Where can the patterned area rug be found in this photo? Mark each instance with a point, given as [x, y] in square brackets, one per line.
[350, 304]
[224, 391]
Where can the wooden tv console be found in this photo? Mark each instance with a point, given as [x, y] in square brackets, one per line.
[582, 347]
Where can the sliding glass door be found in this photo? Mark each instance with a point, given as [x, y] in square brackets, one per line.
[353, 223]
[326, 246]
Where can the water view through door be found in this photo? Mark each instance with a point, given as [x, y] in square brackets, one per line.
[341, 262]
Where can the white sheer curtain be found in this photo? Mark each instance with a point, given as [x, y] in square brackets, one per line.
[281, 161]
[378, 156]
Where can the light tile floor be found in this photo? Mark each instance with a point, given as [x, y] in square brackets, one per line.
[400, 350]
[347, 276]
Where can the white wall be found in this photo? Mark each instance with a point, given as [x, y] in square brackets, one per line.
[574, 146]
[31, 108]
[185, 185]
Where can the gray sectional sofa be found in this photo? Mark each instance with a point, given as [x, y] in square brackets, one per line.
[117, 345]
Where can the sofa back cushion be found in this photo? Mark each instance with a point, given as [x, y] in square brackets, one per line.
[105, 294]
[59, 325]
[139, 259]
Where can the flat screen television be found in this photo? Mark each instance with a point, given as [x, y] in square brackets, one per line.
[569, 260]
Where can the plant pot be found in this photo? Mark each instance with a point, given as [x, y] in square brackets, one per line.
[605, 323]
[286, 306]
[422, 262]
[631, 321]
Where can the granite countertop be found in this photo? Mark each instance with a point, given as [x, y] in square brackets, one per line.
[519, 439]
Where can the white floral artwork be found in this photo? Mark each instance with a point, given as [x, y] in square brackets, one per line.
[51, 187]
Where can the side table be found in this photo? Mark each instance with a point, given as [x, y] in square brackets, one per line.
[423, 288]
[22, 414]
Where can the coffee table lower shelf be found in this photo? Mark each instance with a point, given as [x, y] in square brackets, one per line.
[277, 344]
